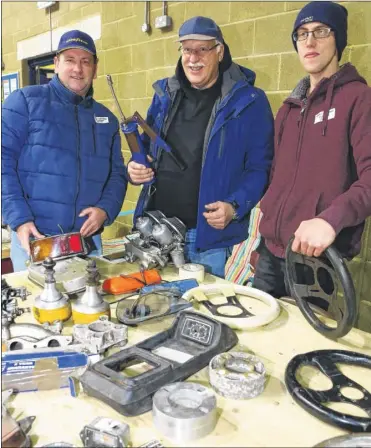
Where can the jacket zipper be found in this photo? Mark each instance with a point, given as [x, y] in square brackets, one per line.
[94, 140]
[221, 145]
[304, 114]
[78, 160]
[206, 145]
[211, 123]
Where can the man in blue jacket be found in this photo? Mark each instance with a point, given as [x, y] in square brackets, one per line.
[214, 118]
[62, 167]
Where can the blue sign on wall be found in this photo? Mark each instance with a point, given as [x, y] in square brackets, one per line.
[9, 83]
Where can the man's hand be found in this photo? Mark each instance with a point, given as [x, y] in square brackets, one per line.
[312, 237]
[139, 174]
[24, 232]
[96, 218]
[219, 214]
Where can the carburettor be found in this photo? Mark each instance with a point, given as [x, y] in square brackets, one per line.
[157, 239]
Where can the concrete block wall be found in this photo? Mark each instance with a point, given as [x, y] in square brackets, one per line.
[258, 34]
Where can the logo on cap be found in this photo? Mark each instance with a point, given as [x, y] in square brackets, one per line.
[307, 19]
[76, 39]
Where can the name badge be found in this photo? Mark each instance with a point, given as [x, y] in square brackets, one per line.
[101, 120]
[319, 117]
[331, 113]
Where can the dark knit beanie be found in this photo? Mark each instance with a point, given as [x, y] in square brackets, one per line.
[329, 13]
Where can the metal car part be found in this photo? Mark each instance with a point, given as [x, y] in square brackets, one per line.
[55, 327]
[23, 336]
[152, 444]
[184, 412]
[177, 257]
[97, 336]
[14, 433]
[237, 375]
[59, 445]
[244, 319]
[129, 127]
[176, 225]
[159, 239]
[91, 304]
[313, 400]
[162, 234]
[105, 433]
[157, 303]
[51, 304]
[9, 303]
[19, 343]
[348, 441]
[344, 313]
[154, 215]
[34, 331]
[144, 225]
[148, 257]
[170, 356]
[69, 274]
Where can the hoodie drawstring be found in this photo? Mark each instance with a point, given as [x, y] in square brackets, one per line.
[327, 106]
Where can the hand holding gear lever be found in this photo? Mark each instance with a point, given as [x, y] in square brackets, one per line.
[129, 127]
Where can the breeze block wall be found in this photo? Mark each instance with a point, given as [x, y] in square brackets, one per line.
[258, 34]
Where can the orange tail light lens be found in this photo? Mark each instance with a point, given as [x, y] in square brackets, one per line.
[131, 282]
[56, 247]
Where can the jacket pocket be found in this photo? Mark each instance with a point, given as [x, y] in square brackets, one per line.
[270, 207]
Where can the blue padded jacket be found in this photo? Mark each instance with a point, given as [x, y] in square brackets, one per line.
[237, 153]
[61, 153]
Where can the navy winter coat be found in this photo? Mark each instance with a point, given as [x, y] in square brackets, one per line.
[237, 153]
[61, 153]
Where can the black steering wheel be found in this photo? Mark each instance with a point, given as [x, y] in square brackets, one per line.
[313, 400]
[344, 310]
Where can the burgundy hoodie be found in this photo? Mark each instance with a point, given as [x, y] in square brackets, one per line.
[322, 162]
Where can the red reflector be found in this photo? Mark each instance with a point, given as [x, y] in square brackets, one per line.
[75, 243]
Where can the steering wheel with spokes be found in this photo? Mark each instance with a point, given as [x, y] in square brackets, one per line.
[314, 401]
[344, 309]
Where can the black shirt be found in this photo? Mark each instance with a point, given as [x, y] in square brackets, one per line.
[177, 191]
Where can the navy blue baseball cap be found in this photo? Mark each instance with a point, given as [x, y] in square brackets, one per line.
[76, 39]
[329, 13]
[200, 28]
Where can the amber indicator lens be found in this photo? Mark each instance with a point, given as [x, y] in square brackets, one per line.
[58, 246]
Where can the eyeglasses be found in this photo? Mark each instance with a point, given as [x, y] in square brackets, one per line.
[319, 33]
[202, 51]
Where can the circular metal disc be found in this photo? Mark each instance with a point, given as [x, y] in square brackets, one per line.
[184, 411]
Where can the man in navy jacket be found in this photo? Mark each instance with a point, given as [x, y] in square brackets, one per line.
[213, 118]
[62, 167]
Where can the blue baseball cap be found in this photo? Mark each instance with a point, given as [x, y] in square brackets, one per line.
[200, 28]
[76, 39]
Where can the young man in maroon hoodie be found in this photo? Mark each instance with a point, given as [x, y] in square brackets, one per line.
[320, 182]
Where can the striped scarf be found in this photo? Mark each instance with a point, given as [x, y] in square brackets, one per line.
[238, 268]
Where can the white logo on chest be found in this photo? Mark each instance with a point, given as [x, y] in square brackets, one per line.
[101, 120]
